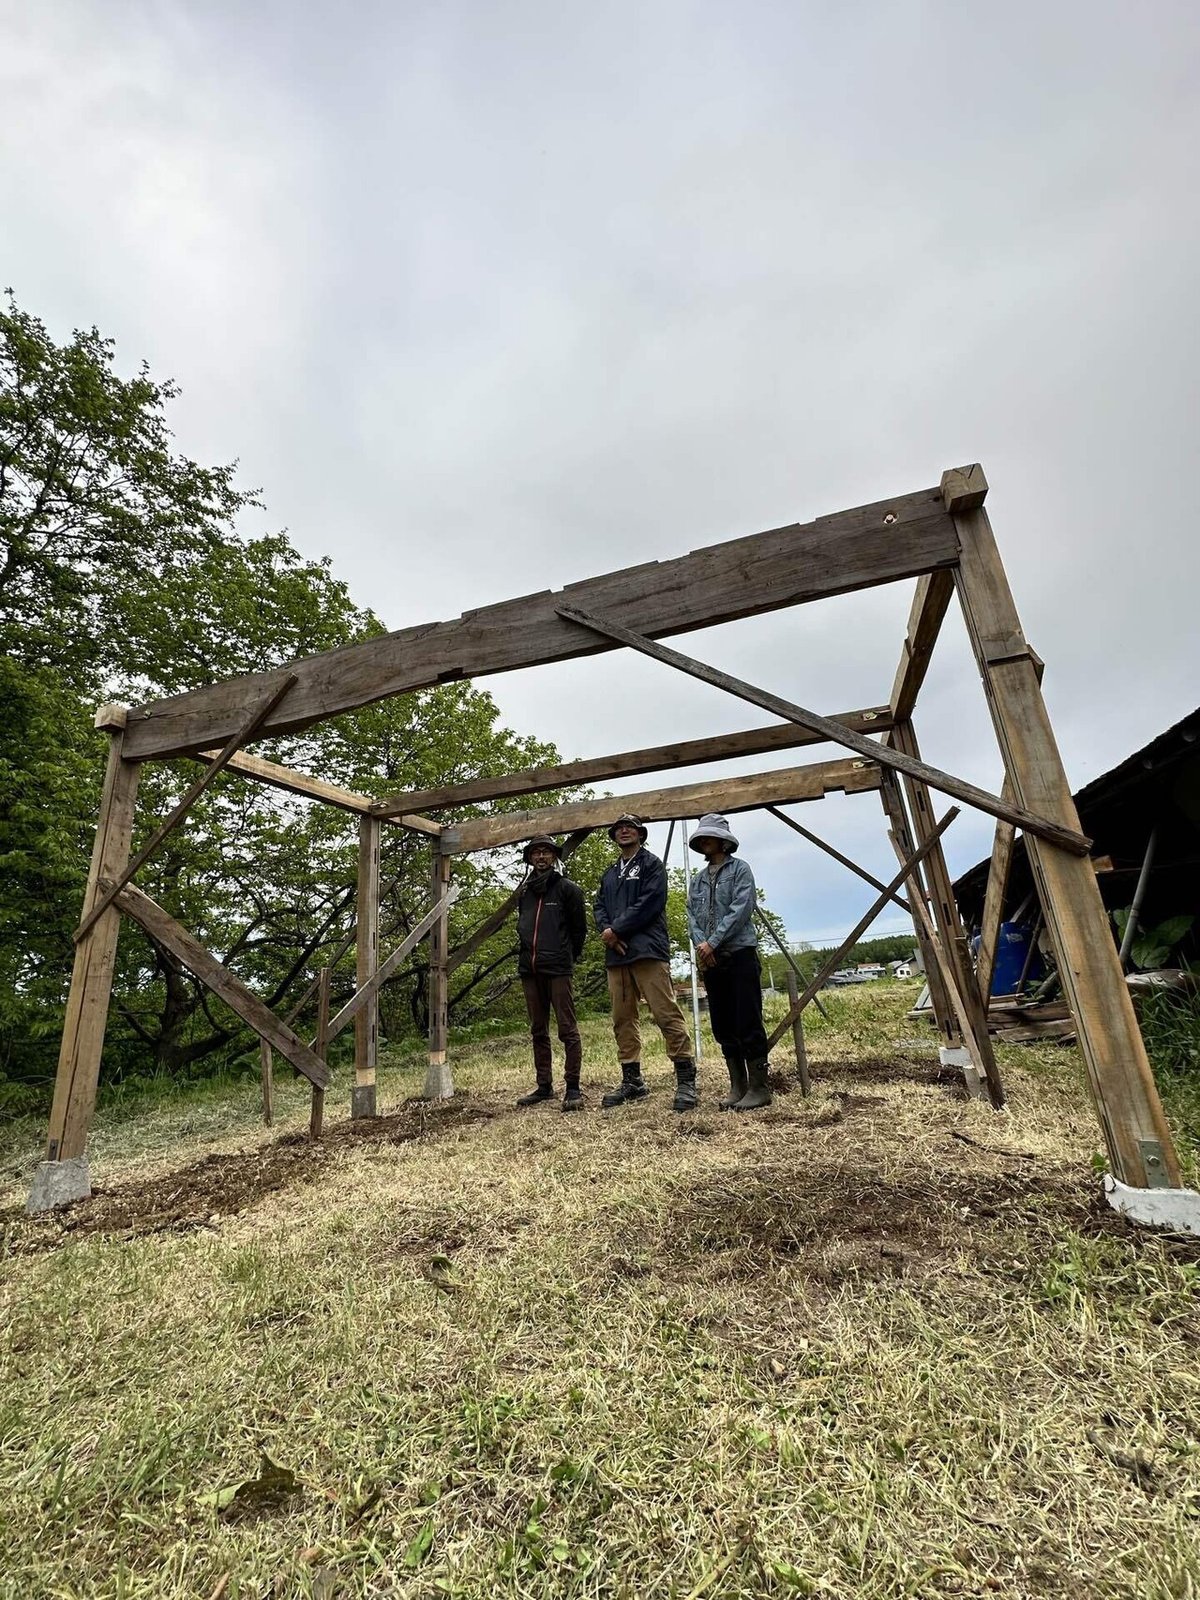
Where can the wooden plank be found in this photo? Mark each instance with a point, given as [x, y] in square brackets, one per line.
[892, 539]
[281, 777]
[860, 928]
[1138, 1139]
[366, 1018]
[945, 1014]
[837, 855]
[86, 1014]
[316, 1110]
[439, 1081]
[947, 920]
[958, 788]
[267, 1070]
[220, 761]
[630, 763]
[387, 968]
[793, 989]
[493, 923]
[789, 784]
[202, 964]
[993, 900]
[924, 624]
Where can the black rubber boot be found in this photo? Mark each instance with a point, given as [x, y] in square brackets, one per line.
[544, 1091]
[573, 1099]
[685, 1085]
[632, 1086]
[738, 1083]
[758, 1094]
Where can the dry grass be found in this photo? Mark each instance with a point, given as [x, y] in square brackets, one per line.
[834, 1349]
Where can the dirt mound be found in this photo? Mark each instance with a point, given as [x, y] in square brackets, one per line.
[224, 1185]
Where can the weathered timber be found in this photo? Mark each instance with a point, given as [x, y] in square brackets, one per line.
[281, 777]
[837, 855]
[787, 955]
[859, 929]
[1136, 1134]
[946, 918]
[933, 960]
[92, 973]
[789, 784]
[993, 900]
[228, 988]
[891, 539]
[217, 765]
[793, 989]
[316, 1110]
[439, 1080]
[387, 968]
[366, 1018]
[629, 763]
[945, 782]
[493, 923]
[932, 598]
[267, 1072]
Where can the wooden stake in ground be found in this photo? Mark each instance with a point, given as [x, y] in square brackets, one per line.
[366, 1021]
[266, 1066]
[1136, 1134]
[797, 1012]
[316, 1114]
[439, 1080]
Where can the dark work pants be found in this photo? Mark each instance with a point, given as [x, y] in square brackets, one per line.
[734, 989]
[543, 995]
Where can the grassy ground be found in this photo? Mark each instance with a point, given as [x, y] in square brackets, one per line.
[882, 1342]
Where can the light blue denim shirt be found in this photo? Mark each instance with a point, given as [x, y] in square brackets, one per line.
[723, 913]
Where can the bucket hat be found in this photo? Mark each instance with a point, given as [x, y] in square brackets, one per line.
[634, 822]
[542, 839]
[713, 826]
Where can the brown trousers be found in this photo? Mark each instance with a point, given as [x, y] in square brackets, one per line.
[543, 995]
[652, 981]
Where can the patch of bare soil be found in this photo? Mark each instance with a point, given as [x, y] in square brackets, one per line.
[889, 1069]
[225, 1185]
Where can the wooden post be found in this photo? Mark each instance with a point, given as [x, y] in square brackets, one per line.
[268, 1082]
[946, 919]
[1131, 1116]
[91, 985]
[945, 1012]
[316, 1115]
[993, 902]
[366, 1021]
[439, 1080]
[793, 989]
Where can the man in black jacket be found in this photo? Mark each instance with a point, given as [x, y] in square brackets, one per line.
[552, 927]
[631, 917]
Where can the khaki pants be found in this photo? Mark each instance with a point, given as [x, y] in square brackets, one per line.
[652, 981]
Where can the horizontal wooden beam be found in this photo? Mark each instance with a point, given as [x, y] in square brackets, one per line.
[790, 784]
[879, 543]
[281, 777]
[944, 782]
[629, 763]
[202, 964]
[924, 624]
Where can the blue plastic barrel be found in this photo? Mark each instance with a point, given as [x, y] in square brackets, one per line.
[1011, 949]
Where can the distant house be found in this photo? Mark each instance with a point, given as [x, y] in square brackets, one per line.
[869, 970]
[902, 969]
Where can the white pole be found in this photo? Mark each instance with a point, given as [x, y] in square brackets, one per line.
[687, 878]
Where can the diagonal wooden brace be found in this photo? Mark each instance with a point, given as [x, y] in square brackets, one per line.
[218, 764]
[945, 782]
[837, 855]
[386, 968]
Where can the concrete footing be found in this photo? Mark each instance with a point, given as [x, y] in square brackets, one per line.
[59, 1183]
[959, 1056]
[439, 1081]
[1177, 1209]
[362, 1101]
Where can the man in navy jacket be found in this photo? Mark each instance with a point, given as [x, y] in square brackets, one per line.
[631, 918]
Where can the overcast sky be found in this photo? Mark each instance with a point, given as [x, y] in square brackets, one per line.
[489, 297]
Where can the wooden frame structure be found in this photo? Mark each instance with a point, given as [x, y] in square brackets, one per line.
[940, 536]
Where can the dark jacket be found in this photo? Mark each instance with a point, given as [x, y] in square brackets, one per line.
[551, 925]
[634, 906]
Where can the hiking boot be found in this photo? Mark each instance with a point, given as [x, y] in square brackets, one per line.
[738, 1083]
[632, 1086]
[685, 1085]
[758, 1094]
[544, 1091]
[573, 1099]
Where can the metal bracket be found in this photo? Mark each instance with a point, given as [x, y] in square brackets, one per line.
[1156, 1167]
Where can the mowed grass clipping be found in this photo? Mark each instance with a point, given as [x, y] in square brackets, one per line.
[880, 1342]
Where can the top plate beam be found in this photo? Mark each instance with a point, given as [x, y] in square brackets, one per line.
[879, 543]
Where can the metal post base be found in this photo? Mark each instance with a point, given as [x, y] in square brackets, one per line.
[1177, 1209]
[362, 1101]
[59, 1183]
[959, 1056]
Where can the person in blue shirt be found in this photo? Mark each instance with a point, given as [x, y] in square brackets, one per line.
[721, 901]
